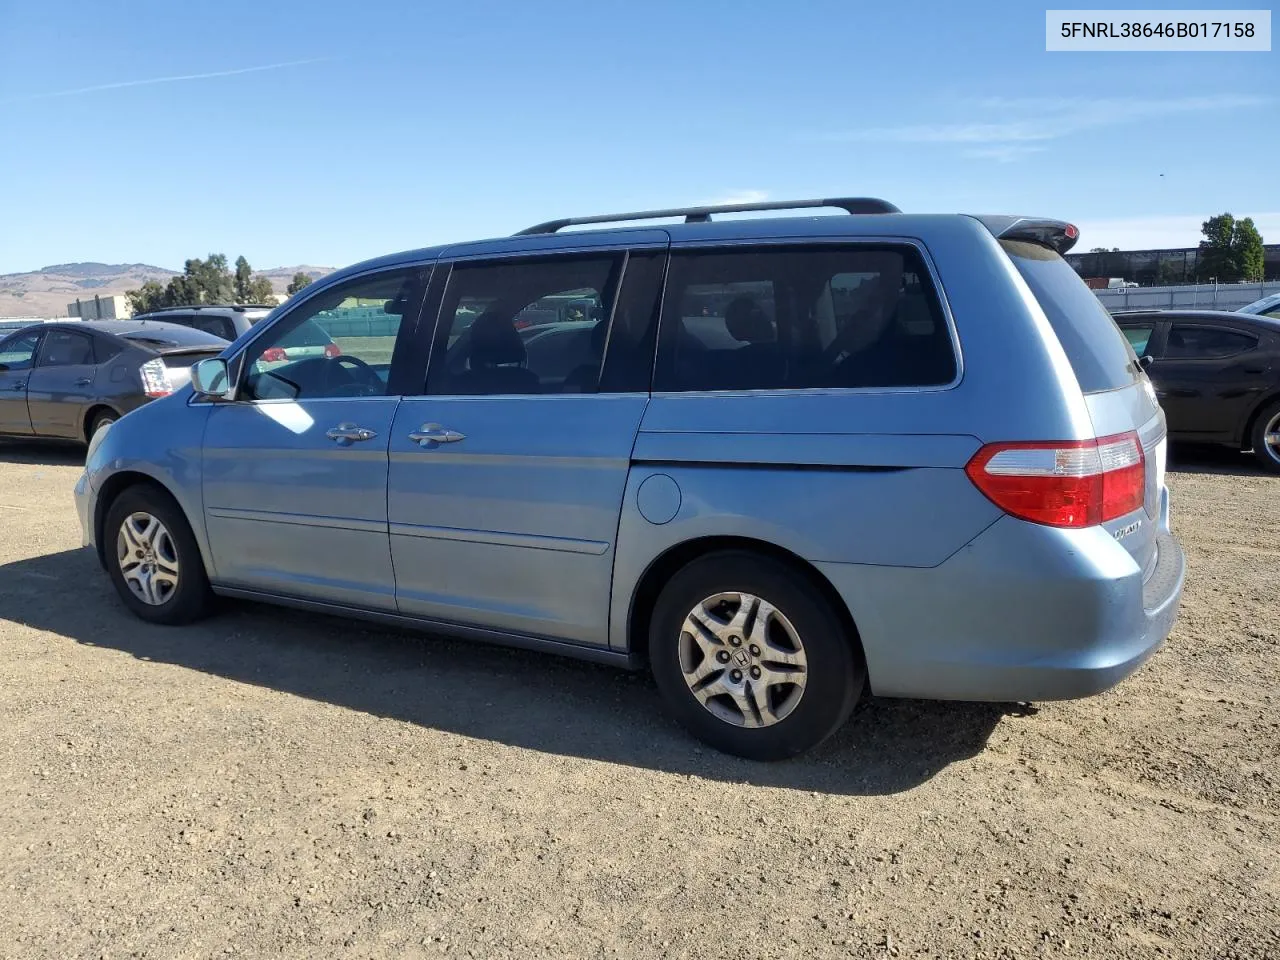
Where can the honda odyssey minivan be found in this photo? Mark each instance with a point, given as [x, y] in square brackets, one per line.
[794, 459]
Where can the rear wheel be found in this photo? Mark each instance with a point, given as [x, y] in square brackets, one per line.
[1266, 437]
[751, 658]
[153, 558]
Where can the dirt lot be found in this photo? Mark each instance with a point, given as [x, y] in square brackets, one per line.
[271, 784]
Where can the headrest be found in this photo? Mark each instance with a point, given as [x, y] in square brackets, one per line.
[495, 341]
[745, 321]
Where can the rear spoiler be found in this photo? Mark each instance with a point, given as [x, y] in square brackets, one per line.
[1055, 234]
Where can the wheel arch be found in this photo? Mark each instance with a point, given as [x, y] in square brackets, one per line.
[91, 414]
[1246, 435]
[117, 484]
[675, 557]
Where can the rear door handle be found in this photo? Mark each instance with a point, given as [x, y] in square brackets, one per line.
[432, 433]
[345, 434]
[84, 381]
[21, 385]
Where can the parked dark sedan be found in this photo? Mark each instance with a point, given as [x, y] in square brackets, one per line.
[68, 380]
[1217, 375]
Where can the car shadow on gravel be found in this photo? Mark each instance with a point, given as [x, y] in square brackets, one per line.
[42, 453]
[1208, 458]
[514, 697]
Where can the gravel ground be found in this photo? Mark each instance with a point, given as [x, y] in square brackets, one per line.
[274, 784]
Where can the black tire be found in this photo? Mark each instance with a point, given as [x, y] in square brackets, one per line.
[835, 673]
[1266, 454]
[101, 419]
[191, 599]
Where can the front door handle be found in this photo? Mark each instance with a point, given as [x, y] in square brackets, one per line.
[345, 434]
[20, 385]
[431, 434]
[84, 381]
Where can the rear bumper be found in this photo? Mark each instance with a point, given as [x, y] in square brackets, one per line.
[1023, 613]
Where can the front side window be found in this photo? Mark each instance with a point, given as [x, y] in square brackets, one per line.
[218, 326]
[1138, 335]
[1205, 343]
[18, 353]
[62, 348]
[338, 343]
[524, 326]
[861, 317]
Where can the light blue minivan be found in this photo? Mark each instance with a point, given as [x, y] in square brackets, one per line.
[782, 460]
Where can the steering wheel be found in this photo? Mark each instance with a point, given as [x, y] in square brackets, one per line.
[364, 377]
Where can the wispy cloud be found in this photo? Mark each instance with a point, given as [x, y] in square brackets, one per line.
[154, 80]
[739, 196]
[1004, 129]
[1002, 152]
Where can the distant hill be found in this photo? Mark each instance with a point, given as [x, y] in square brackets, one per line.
[47, 291]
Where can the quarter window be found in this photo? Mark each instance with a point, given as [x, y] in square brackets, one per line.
[338, 343]
[1138, 335]
[1206, 343]
[524, 327]
[801, 318]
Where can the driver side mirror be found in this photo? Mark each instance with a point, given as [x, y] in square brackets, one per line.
[1146, 360]
[211, 378]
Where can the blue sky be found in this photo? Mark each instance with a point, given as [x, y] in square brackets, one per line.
[328, 132]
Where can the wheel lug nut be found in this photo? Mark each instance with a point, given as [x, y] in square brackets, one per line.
[755, 651]
[755, 673]
[723, 656]
[735, 641]
[736, 676]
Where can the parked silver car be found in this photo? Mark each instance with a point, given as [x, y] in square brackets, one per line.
[797, 459]
[69, 380]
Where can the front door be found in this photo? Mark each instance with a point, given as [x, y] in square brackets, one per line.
[295, 469]
[507, 478]
[59, 387]
[17, 356]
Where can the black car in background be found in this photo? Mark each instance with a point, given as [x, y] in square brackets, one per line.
[1217, 375]
[67, 380]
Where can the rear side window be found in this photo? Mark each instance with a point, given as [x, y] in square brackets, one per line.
[1098, 352]
[1205, 343]
[63, 348]
[863, 317]
[218, 326]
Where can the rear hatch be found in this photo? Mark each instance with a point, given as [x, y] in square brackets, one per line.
[1117, 392]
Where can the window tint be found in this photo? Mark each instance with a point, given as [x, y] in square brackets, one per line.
[1205, 343]
[62, 348]
[797, 318]
[1101, 358]
[338, 343]
[1138, 335]
[17, 353]
[522, 327]
[218, 326]
[104, 348]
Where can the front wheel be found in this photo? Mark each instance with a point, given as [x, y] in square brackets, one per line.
[1266, 437]
[751, 658]
[153, 558]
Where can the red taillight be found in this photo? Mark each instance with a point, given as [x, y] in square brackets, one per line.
[1074, 483]
[332, 350]
[274, 355]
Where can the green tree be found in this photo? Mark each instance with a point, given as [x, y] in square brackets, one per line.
[148, 297]
[243, 277]
[1246, 249]
[299, 281]
[1217, 259]
[259, 291]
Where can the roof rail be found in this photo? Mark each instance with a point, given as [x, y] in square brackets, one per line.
[703, 214]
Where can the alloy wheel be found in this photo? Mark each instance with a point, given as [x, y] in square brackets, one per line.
[743, 660]
[148, 558]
